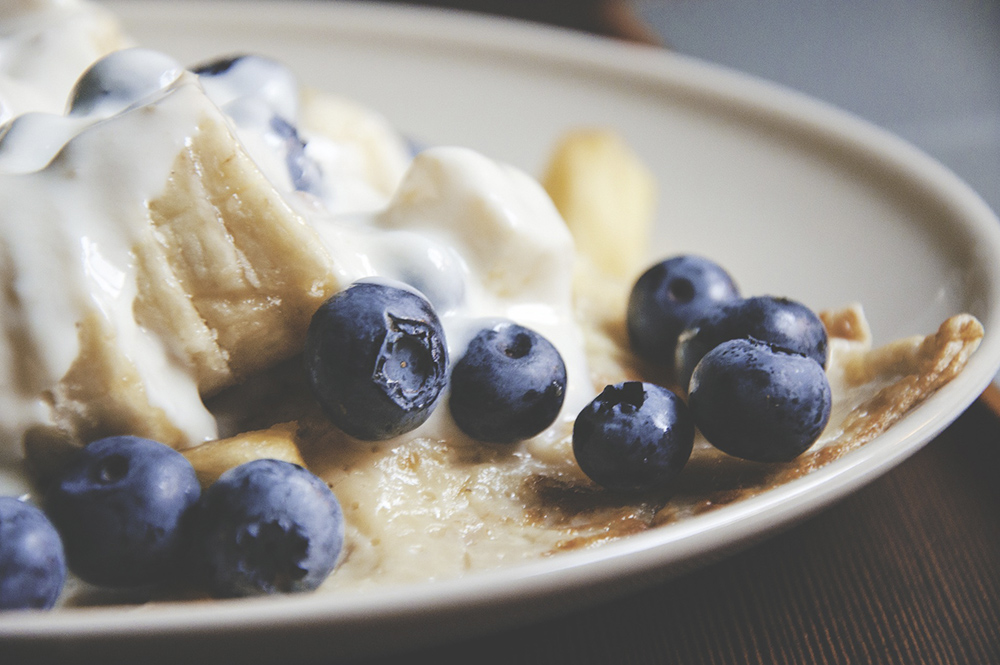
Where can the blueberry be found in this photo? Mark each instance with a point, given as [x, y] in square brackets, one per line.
[32, 563]
[784, 323]
[121, 79]
[376, 359]
[262, 94]
[121, 507]
[758, 402]
[509, 385]
[217, 67]
[634, 437]
[267, 527]
[305, 172]
[668, 297]
[238, 77]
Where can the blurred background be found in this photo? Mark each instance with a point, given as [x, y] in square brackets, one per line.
[926, 70]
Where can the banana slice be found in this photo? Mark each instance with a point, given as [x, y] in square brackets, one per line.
[229, 274]
[607, 197]
[155, 272]
[214, 458]
[366, 144]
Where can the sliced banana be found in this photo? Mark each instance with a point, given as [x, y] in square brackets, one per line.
[607, 197]
[163, 271]
[214, 458]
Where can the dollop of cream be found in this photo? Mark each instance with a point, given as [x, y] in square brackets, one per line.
[44, 47]
[481, 240]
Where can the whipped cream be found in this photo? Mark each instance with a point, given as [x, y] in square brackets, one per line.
[44, 47]
[481, 240]
[68, 231]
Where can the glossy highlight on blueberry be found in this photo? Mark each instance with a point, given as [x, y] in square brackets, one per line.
[782, 322]
[32, 561]
[668, 297]
[634, 437]
[509, 385]
[268, 527]
[759, 402]
[376, 359]
[121, 507]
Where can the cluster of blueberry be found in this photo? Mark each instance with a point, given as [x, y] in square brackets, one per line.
[131, 512]
[753, 371]
[127, 512]
[377, 361]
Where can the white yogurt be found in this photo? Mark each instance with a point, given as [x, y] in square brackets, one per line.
[67, 233]
[482, 239]
[485, 241]
[44, 47]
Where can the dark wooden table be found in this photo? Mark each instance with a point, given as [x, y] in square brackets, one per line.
[905, 571]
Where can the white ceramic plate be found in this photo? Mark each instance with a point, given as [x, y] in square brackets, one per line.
[794, 197]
